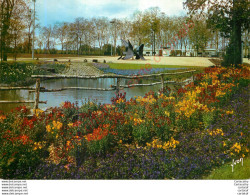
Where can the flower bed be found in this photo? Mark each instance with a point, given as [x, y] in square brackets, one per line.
[14, 73]
[180, 135]
[137, 72]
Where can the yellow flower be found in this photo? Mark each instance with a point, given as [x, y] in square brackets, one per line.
[120, 101]
[70, 125]
[38, 145]
[229, 112]
[167, 113]
[138, 121]
[172, 143]
[48, 128]
[58, 125]
[38, 111]
[216, 132]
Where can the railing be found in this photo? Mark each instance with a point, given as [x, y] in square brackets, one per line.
[37, 90]
[116, 87]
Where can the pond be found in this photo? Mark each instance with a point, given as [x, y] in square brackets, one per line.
[81, 96]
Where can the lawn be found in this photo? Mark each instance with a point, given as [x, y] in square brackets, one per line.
[225, 171]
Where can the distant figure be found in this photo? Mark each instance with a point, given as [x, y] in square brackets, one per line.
[69, 61]
[95, 60]
[104, 61]
[55, 60]
[85, 60]
[37, 58]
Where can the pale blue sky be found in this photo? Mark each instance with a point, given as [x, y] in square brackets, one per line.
[52, 11]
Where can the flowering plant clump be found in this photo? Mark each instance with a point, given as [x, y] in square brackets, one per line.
[180, 134]
[172, 143]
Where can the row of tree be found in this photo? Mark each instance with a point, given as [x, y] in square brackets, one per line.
[212, 28]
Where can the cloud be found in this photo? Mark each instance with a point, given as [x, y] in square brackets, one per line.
[52, 11]
[170, 7]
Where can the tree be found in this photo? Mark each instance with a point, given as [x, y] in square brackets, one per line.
[47, 36]
[17, 26]
[101, 29]
[61, 32]
[199, 35]
[7, 7]
[231, 17]
[13, 17]
[114, 30]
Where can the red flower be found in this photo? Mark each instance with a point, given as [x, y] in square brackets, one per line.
[77, 123]
[24, 139]
[22, 109]
[27, 122]
[68, 105]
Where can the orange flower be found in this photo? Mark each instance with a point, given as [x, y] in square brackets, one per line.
[2, 117]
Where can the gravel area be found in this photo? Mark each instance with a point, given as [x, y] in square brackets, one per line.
[82, 69]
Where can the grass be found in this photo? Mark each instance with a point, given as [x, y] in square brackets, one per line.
[225, 172]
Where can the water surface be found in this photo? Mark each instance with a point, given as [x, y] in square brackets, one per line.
[81, 96]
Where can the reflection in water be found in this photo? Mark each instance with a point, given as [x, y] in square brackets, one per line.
[14, 95]
[81, 96]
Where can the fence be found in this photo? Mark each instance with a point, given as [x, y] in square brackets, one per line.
[116, 87]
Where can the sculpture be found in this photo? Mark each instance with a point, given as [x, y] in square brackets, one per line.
[129, 53]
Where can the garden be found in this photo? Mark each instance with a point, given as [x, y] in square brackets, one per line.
[126, 69]
[19, 73]
[182, 134]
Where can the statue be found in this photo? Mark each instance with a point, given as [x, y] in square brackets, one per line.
[129, 53]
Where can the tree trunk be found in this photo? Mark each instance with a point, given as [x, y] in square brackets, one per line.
[7, 8]
[4, 39]
[80, 47]
[234, 50]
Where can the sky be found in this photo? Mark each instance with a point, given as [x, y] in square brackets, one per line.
[52, 11]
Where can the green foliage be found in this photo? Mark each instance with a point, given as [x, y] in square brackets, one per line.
[230, 18]
[208, 118]
[13, 72]
[142, 134]
[100, 147]
[20, 73]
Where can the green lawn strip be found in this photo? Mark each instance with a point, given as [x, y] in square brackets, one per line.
[225, 171]
[125, 66]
